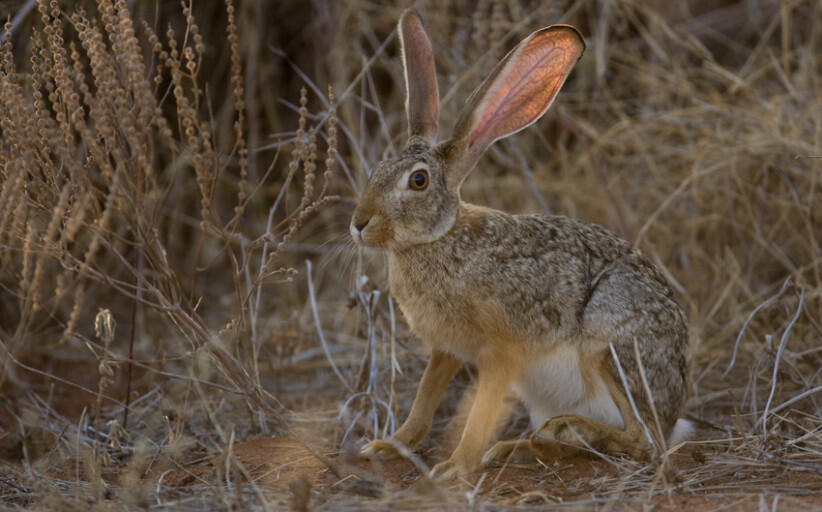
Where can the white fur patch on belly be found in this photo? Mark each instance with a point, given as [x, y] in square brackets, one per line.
[553, 385]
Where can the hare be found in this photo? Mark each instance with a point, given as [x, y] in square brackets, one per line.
[561, 313]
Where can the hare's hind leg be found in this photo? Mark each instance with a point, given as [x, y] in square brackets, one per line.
[582, 432]
[647, 345]
[568, 434]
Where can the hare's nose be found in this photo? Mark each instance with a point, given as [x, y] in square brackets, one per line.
[359, 224]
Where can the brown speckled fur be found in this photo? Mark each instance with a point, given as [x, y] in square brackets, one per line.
[496, 290]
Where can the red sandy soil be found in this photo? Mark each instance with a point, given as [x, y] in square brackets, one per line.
[287, 464]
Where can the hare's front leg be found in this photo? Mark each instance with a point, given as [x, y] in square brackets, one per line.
[495, 375]
[438, 373]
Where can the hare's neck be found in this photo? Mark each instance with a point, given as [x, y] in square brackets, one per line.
[414, 269]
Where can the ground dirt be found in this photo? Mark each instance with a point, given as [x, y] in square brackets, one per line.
[304, 466]
[287, 464]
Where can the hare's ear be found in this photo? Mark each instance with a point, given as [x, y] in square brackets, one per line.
[517, 92]
[422, 102]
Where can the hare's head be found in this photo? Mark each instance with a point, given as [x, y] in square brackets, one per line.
[414, 199]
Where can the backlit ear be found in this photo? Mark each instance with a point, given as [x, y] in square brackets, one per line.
[516, 94]
[422, 103]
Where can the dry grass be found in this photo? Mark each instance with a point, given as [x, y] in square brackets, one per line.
[169, 172]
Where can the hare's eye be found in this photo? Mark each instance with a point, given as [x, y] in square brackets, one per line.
[418, 180]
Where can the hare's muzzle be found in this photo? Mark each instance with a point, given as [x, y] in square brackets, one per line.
[358, 224]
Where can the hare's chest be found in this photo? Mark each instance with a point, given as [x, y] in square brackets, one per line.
[439, 315]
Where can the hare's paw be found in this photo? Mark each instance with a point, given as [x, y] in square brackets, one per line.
[503, 449]
[449, 470]
[384, 449]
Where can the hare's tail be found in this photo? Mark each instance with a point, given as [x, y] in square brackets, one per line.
[683, 430]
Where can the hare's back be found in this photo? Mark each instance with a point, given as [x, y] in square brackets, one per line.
[542, 269]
